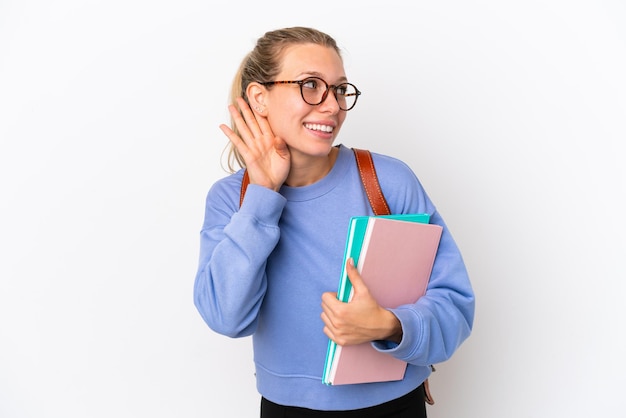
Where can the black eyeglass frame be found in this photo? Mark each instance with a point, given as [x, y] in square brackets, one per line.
[356, 93]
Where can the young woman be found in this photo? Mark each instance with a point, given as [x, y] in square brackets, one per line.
[269, 267]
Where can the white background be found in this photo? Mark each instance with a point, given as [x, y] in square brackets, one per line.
[512, 113]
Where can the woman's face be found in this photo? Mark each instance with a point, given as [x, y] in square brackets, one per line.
[308, 130]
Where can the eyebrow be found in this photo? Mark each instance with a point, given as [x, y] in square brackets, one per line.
[320, 75]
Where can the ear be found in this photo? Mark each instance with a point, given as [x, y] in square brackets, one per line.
[256, 97]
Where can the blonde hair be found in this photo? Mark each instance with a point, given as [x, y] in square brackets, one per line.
[263, 63]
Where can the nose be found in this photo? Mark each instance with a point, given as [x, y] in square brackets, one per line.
[330, 101]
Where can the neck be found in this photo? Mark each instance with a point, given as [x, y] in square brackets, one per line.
[306, 171]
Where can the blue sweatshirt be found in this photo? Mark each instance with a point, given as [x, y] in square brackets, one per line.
[263, 268]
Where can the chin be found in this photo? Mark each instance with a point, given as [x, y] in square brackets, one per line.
[311, 151]
[323, 149]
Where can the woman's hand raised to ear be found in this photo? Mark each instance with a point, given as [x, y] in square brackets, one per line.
[267, 156]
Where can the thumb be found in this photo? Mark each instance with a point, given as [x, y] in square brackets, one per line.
[355, 278]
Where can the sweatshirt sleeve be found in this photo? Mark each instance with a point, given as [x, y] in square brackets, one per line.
[234, 246]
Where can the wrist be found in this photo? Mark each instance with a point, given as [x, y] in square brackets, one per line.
[394, 328]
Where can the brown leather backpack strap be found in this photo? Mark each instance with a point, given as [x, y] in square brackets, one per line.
[428, 398]
[367, 171]
[244, 185]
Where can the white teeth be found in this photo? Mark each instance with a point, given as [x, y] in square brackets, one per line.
[318, 127]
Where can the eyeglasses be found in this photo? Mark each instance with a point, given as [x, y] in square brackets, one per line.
[314, 91]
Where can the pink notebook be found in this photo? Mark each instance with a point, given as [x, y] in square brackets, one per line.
[396, 262]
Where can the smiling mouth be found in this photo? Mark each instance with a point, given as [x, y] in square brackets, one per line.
[318, 127]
